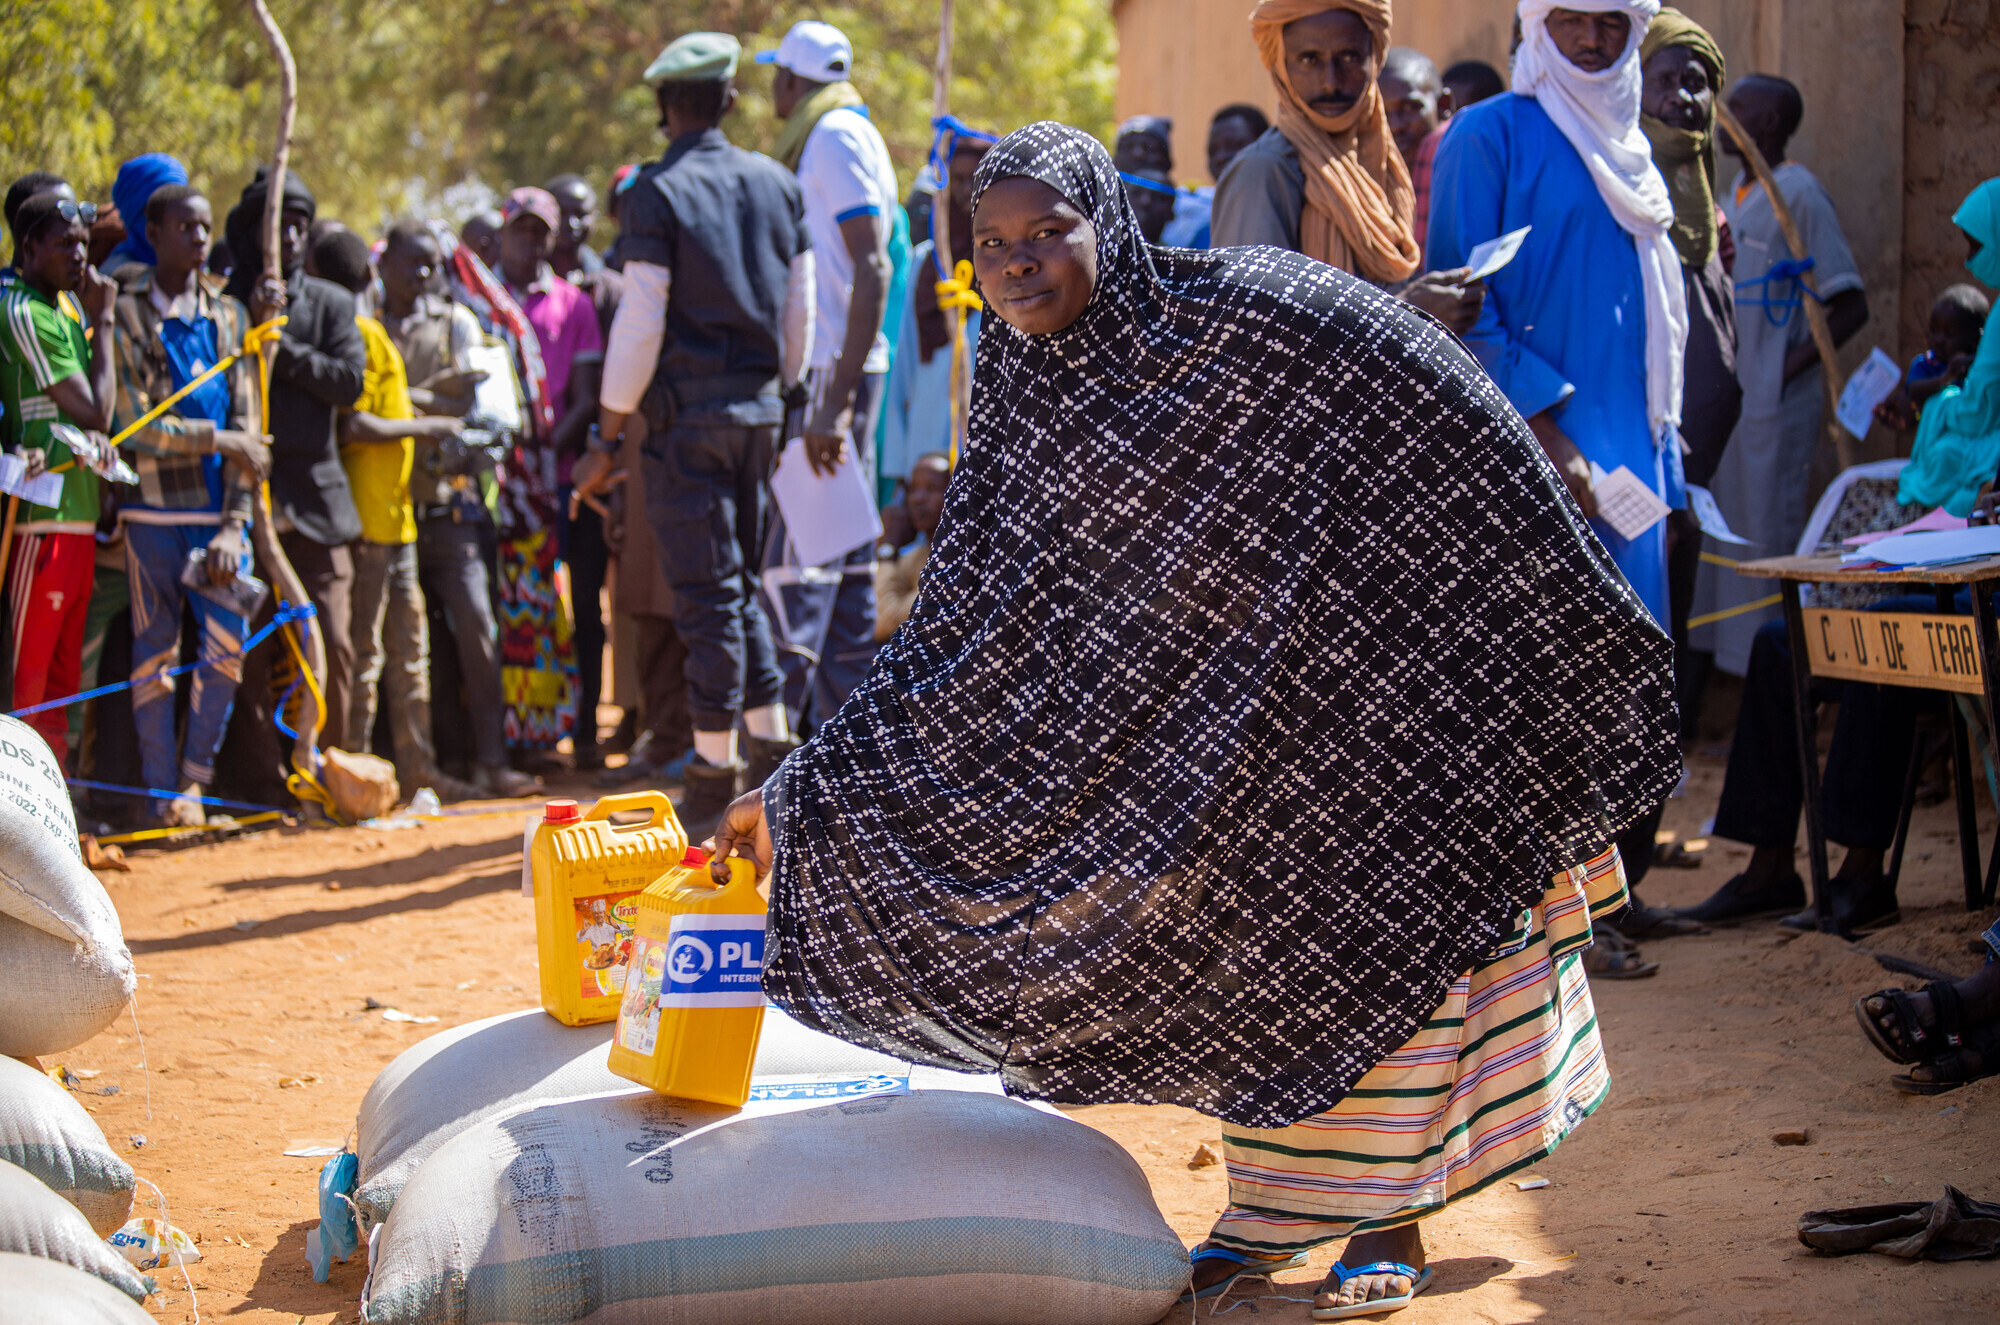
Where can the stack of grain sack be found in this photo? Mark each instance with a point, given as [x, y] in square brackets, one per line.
[504, 1174]
[65, 975]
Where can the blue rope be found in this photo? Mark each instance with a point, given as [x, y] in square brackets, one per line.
[1152, 185]
[287, 613]
[157, 794]
[1790, 270]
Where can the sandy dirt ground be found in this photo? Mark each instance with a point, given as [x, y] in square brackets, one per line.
[1673, 1203]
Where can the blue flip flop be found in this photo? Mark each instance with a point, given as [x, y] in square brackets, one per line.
[1250, 1265]
[1380, 1305]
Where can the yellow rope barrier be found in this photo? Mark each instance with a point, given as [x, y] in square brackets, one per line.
[1713, 617]
[955, 296]
[1714, 560]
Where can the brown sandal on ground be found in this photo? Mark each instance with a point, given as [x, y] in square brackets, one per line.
[1601, 963]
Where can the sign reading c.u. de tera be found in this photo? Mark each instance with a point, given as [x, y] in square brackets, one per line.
[1895, 648]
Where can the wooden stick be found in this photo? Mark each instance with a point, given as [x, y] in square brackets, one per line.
[1822, 334]
[263, 537]
[940, 107]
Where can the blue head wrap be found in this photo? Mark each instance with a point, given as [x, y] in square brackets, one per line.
[1979, 216]
[137, 180]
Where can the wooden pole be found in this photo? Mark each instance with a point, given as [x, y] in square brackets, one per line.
[1822, 334]
[941, 106]
[263, 537]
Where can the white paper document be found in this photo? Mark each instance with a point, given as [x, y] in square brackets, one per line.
[1870, 386]
[1709, 516]
[1494, 254]
[1624, 503]
[44, 490]
[1931, 549]
[826, 517]
[495, 396]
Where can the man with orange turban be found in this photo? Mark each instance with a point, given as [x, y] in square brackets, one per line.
[1326, 180]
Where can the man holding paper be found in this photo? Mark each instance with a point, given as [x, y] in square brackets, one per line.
[851, 202]
[1586, 328]
[714, 326]
[1327, 179]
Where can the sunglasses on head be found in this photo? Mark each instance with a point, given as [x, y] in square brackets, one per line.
[70, 212]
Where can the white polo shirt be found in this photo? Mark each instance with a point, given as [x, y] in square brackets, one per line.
[844, 172]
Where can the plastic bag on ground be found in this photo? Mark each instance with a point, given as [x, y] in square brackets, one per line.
[150, 1243]
[68, 971]
[45, 1131]
[336, 1237]
[36, 1222]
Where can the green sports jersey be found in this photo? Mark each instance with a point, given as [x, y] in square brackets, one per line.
[40, 345]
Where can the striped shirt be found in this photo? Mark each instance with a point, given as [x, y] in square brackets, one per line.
[40, 346]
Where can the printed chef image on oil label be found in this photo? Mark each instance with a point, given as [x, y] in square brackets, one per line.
[604, 927]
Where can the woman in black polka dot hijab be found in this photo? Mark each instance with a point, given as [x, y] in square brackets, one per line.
[1262, 673]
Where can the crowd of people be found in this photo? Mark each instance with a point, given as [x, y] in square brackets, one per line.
[476, 439]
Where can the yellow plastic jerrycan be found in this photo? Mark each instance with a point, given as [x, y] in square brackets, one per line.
[694, 1001]
[588, 874]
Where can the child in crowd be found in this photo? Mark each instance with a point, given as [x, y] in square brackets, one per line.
[197, 465]
[378, 434]
[1957, 318]
[896, 572]
[52, 373]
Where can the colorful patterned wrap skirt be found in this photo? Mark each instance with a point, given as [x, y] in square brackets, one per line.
[537, 660]
[1491, 1084]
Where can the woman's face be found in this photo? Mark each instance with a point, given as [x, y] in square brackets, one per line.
[1035, 255]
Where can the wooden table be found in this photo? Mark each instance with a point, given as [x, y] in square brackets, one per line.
[1926, 651]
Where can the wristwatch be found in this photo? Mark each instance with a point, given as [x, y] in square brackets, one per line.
[594, 441]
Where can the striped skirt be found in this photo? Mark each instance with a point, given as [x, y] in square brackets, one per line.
[1492, 1083]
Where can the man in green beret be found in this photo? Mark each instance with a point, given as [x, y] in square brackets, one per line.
[712, 332]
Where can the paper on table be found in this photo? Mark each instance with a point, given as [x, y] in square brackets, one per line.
[1624, 503]
[494, 397]
[1870, 386]
[1494, 254]
[1709, 516]
[1931, 549]
[43, 490]
[1938, 519]
[826, 517]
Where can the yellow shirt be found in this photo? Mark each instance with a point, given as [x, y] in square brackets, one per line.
[379, 472]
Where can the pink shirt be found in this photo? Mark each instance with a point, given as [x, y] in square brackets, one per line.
[565, 326]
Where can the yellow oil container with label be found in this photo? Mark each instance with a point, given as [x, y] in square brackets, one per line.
[588, 874]
[694, 1000]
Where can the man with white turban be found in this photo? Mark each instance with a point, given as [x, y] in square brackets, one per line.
[1585, 330]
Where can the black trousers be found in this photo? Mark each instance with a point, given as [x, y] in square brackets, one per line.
[707, 501]
[1861, 791]
[589, 557]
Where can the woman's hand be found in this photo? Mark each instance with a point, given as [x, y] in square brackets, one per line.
[742, 825]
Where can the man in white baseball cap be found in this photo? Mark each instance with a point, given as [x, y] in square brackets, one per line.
[852, 212]
[815, 51]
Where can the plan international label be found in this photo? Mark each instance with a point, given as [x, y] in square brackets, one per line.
[1895, 648]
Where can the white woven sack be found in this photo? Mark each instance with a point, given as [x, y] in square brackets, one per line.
[905, 1209]
[442, 1085]
[47, 1133]
[36, 1222]
[35, 1291]
[68, 972]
